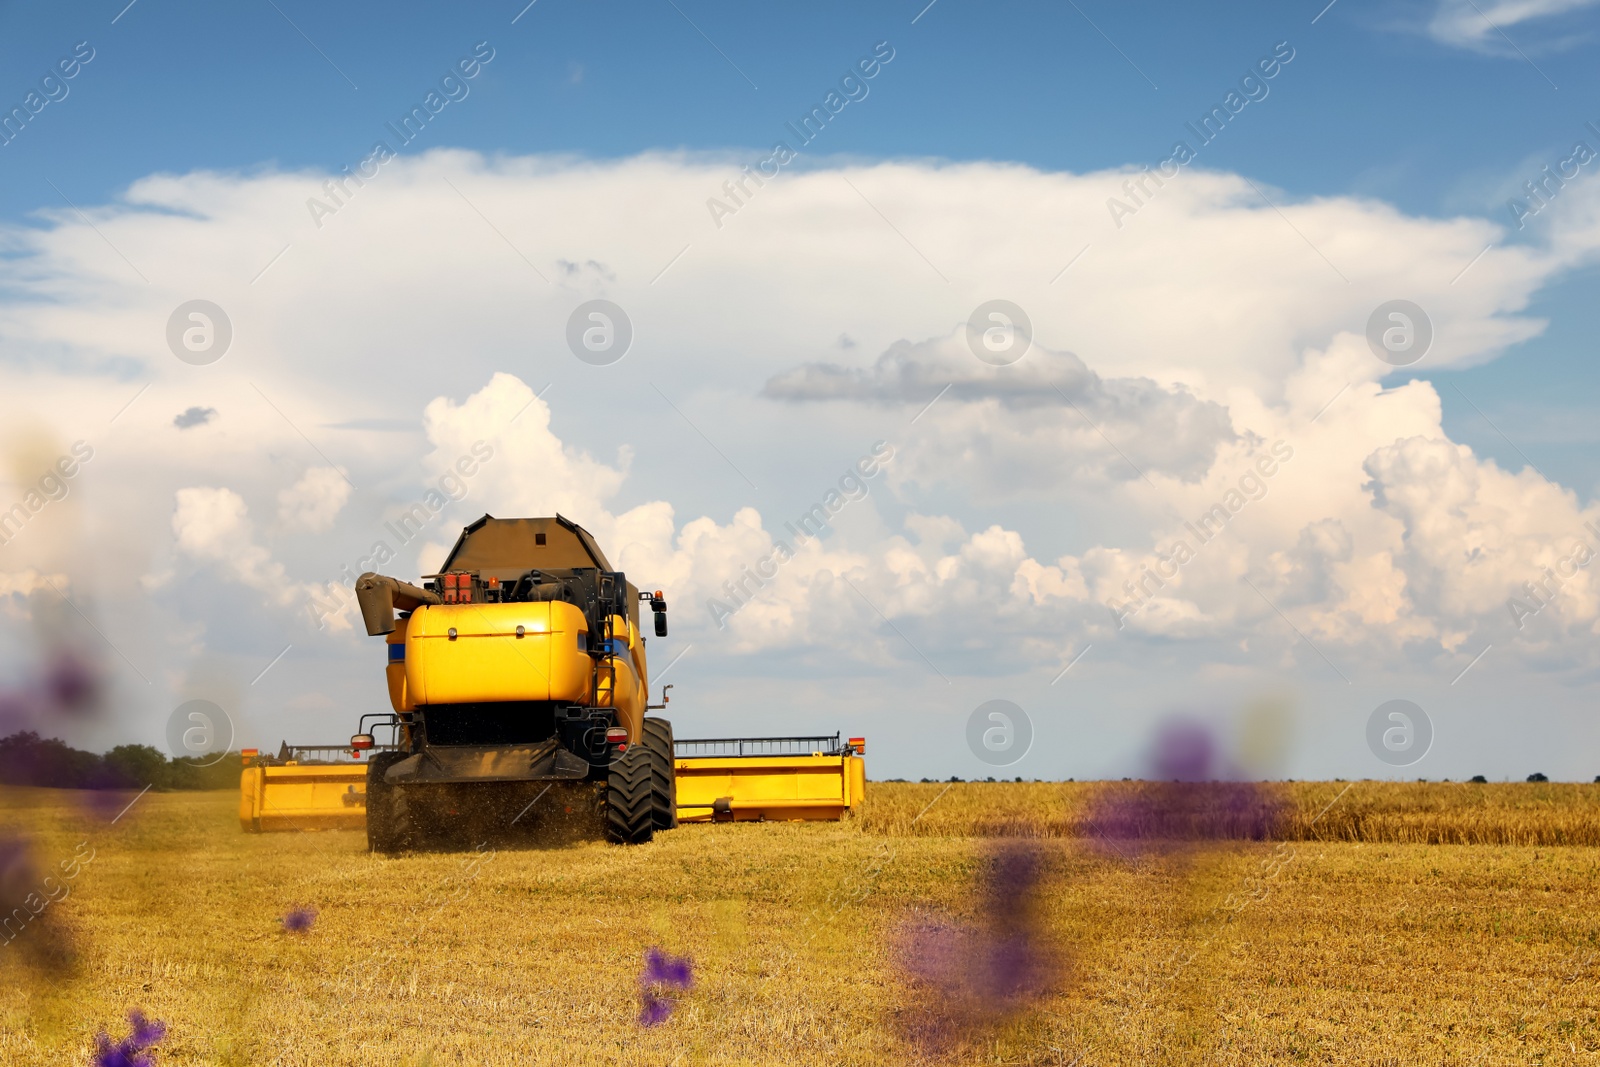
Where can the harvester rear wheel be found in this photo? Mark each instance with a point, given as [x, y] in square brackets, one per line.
[389, 825]
[663, 773]
[629, 810]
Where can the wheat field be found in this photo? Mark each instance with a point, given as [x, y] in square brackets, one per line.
[1380, 924]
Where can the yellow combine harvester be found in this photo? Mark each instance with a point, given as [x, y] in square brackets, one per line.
[520, 667]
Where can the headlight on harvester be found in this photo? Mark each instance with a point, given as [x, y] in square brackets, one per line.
[361, 741]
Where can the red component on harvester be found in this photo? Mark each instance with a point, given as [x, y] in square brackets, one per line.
[859, 744]
[458, 587]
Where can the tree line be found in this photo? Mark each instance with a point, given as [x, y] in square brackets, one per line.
[28, 759]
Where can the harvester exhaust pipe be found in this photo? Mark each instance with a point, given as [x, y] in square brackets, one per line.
[379, 597]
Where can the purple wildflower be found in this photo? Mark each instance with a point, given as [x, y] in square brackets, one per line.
[299, 920]
[1016, 970]
[70, 682]
[135, 1050]
[1129, 820]
[662, 969]
[983, 972]
[1183, 751]
[653, 1008]
[1190, 798]
[933, 952]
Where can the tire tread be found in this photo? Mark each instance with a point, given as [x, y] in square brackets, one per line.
[630, 816]
[389, 828]
[663, 772]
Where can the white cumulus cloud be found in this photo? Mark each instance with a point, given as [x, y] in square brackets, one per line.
[313, 502]
[1180, 348]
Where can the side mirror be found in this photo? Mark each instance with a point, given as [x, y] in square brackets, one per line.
[658, 604]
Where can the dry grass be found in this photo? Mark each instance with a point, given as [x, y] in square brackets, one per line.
[1324, 951]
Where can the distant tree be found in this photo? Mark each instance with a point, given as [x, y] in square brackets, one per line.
[1537, 777]
[136, 766]
[1480, 778]
[28, 759]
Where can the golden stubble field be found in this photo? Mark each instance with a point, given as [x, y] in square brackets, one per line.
[1353, 941]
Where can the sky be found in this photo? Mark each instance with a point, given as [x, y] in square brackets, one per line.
[1197, 298]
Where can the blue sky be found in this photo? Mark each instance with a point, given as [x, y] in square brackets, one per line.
[981, 161]
[1371, 104]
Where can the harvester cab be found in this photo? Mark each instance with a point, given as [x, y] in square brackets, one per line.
[518, 667]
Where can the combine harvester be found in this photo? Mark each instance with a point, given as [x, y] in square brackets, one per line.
[519, 668]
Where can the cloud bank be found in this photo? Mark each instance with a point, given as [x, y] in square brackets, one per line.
[1026, 510]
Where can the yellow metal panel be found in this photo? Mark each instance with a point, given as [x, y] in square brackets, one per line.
[630, 695]
[301, 797]
[765, 787]
[487, 661]
[856, 779]
[249, 797]
[571, 671]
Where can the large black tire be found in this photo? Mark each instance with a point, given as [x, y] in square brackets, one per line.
[630, 815]
[663, 773]
[389, 823]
